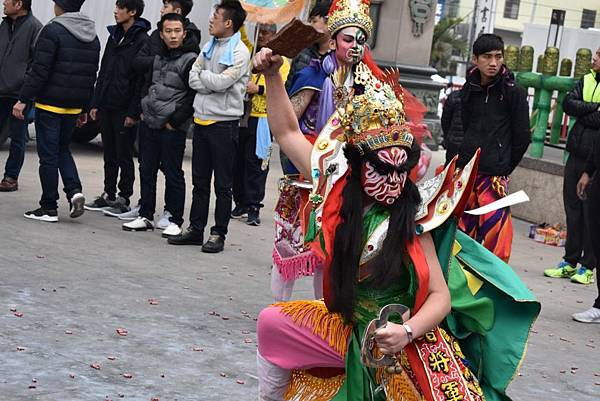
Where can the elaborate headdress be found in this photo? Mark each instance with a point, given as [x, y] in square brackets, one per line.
[344, 13]
[375, 118]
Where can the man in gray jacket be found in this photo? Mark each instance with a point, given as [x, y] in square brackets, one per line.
[219, 76]
[18, 33]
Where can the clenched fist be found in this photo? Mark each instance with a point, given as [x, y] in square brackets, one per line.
[266, 63]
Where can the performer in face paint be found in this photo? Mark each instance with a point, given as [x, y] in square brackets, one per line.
[385, 241]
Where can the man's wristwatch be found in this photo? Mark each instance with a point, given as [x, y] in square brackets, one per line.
[409, 332]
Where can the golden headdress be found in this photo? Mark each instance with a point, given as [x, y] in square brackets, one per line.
[345, 13]
[373, 119]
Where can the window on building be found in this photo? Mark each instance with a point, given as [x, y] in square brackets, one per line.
[511, 9]
[588, 18]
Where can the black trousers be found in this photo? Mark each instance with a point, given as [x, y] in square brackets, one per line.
[250, 179]
[118, 154]
[162, 148]
[578, 248]
[214, 150]
[594, 225]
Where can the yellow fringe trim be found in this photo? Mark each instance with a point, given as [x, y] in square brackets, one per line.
[306, 387]
[314, 315]
[399, 387]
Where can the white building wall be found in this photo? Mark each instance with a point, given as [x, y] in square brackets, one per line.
[101, 11]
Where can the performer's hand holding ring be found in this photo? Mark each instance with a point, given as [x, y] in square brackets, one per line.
[391, 339]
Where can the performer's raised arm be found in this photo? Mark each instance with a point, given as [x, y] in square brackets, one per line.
[282, 118]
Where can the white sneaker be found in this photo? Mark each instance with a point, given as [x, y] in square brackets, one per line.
[133, 214]
[139, 224]
[77, 205]
[164, 221]
[172, 230]
[591, 315]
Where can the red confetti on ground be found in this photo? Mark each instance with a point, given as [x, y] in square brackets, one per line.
[34, 380]
[562, 371]
[212, 313]
[223, 374]
[239, 381]
[154, 399]
[245, 331]
[152, 301]
[95, 366]
[197, 349]
[162, 375]
[248, 341]
[127, 375]
[121, 395]
[32, 386]
[111, 358]
[40, 256]
[13, 309]
[224, 318]
[68, 332]
[122, 332]
[71, 375]
[18, 314]
[21, 348]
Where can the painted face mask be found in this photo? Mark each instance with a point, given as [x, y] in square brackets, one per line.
[350, 45]
[382, 178]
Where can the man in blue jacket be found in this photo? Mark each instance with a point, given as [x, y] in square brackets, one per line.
[61, 83]
[18, 32]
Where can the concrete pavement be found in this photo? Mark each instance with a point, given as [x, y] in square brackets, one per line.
[190, 316]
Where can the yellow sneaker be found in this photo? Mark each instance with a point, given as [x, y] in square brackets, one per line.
[563, 270]
[583, 276]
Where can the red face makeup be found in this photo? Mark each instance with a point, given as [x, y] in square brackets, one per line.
[385, 188]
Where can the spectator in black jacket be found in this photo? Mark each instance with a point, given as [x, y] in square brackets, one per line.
[143, 66]
[452, 126]
[18, 32]
[495, 119]
[590, 180]
[61, 83]
[167, 112]
[116, 104]
[582, 103]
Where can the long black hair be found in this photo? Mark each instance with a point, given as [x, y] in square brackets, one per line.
[348, 242]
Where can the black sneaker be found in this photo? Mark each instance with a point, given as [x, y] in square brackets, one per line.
[120, 206]
[41, 214]
[239, 212]
[190, 237]
[215, 244]
[99, 203]
[253, 217]
[77, 205]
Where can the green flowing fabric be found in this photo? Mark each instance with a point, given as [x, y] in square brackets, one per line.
[360, 382]
[493, 324]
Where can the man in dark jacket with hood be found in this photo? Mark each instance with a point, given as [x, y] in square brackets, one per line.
[18, 32]
[61, 83]
[495, 119]
[582, 103]
[116, 104]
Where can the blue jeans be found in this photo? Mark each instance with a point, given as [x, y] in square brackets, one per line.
[18, 137]
[53, 133]
[162, 148]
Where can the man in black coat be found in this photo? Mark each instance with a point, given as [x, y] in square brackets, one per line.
[143, 66]
[582, 103]
[116, 104]
[588, 189]
[61, 83]
[18, 32]
[495, 118]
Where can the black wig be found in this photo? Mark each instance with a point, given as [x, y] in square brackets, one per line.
[348, 242]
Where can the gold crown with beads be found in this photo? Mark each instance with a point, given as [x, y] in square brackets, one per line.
[373, 119]
[345, 13]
